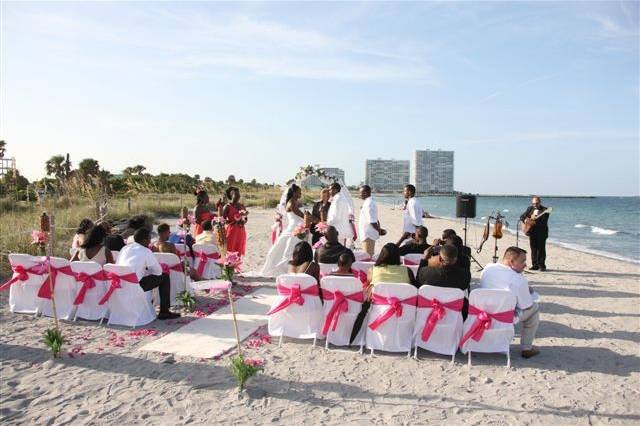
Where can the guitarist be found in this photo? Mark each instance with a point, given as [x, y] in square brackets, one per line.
[538, 234]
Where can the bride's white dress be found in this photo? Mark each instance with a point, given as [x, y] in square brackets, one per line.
[280, 253]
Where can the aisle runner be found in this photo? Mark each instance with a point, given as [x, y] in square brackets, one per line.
[213, 335]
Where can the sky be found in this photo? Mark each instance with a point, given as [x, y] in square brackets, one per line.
[533, 97]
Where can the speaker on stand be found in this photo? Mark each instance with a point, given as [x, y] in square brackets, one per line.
[466, 208]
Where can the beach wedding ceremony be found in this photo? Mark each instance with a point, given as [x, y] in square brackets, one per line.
[320, 212]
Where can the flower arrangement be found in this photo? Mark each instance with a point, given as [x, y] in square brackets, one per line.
[322, 227]
[230, 265]
[186, 300]
[243, 369]
[320, 243]
[241, 217]
[54, 340]
[301, 231]
[39, 237]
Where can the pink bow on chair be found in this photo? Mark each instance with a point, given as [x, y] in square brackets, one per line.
[20, 273]
[395, 308]
[204, 258]
[438, 312]
[294, 295]
[408, 262]
[166, 269]
[340, 305]
[50, 282]
[483, 322]
[361, 275]
[88, 281]
[115, 283]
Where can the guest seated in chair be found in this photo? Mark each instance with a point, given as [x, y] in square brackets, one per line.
[302, 261]
[140, 259]
[344, 266]
[331, 251]
[112, 241]
[163, 245]
[464, 252]
[507, 275]
[81, 233]
[207, 236]
[418, 244]
[446, 272]
[388, 268]
[93, 248]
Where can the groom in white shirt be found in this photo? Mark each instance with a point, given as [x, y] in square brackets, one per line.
[338, 215]
[412, 214]
[368, 223]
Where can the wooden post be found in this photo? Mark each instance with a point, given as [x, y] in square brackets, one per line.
[52, 221]
[128, 204]
[235, 322]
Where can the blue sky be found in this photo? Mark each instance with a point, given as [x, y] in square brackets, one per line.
[537, 97]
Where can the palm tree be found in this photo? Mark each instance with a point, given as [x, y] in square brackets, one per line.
[67, 166]
[89, 167]
[54, 166]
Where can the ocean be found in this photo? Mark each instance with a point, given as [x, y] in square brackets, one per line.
[607, 226]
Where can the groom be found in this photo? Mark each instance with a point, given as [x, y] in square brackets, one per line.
[338, 215]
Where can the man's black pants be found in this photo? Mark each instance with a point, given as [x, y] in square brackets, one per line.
[163, 283]
[538, 250]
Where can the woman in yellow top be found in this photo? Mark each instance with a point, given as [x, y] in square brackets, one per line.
[388, 268]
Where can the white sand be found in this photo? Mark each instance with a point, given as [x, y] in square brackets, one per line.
[587, 373]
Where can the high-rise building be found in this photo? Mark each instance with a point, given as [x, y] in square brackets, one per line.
[432, 171]
[387, 175]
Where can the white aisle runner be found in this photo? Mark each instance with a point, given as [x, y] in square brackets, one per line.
[213, 335]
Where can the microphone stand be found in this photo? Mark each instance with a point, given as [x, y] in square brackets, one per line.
[465, 244]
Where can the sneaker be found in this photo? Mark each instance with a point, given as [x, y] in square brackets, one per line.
[533, 268]
[528, 353]
[168, 315]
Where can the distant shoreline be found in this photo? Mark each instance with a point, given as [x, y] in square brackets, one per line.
[499, 195]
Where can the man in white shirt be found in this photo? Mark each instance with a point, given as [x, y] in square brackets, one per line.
[338, 215]
[141, 260]
[507, 275]
[368, 224]
[412, 215]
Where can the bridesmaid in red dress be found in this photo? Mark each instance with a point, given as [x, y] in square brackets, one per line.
[201, 211]
[235, 216]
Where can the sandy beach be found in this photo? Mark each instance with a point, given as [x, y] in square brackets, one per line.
[588, 371]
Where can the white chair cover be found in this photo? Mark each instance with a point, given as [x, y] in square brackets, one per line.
[361, 256]
[347, 286]
[395, 334]
[129, 305]
[65, 289]
[115, 254]
[412, 259]
[327, 268]
[181, 250]
[445, 337]
[23, 295]
[498, 337]
[211, 269]
[89, 308]
[298, 321]
[179, 282]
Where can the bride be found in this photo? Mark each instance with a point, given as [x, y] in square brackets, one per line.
[281, 251]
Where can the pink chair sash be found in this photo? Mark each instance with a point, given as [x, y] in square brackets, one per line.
[166, 269]
[410, 262]
[88, 281]
[50, 282]
[340, 305]
[395, 308]
[483, 322]
[361, 275]
[180, 253]
[294, 295]
[115, 283]
[20, 273]
[439, 310]
[204, 258]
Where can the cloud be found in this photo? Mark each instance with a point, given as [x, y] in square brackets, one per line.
[610, 28]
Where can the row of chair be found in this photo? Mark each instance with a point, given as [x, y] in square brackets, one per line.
[401, 317]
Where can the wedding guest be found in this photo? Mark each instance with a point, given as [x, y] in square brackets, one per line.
[344, 266]
[388, 268]
[338, 214]
[370, 230]
[331, 251]
[201, 211]
[207, 236]
[163, 245]
[93, 248]
[235, 216]
[464, 252]
[302, 261]
[418, 245]
[112, 241]
[136, 222]
[319, 213]
[81, 232]
[142, 261]
[412, 215]
[508, 275]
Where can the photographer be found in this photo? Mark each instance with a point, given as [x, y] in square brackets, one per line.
[418, 244]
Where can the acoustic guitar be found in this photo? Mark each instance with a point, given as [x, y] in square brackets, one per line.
[530, 222]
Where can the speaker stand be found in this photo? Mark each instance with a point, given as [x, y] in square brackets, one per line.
[465, 244]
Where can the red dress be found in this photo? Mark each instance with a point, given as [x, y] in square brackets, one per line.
[235, 233]
[204, 216]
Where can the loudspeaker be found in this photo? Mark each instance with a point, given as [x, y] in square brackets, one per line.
[466, 205]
